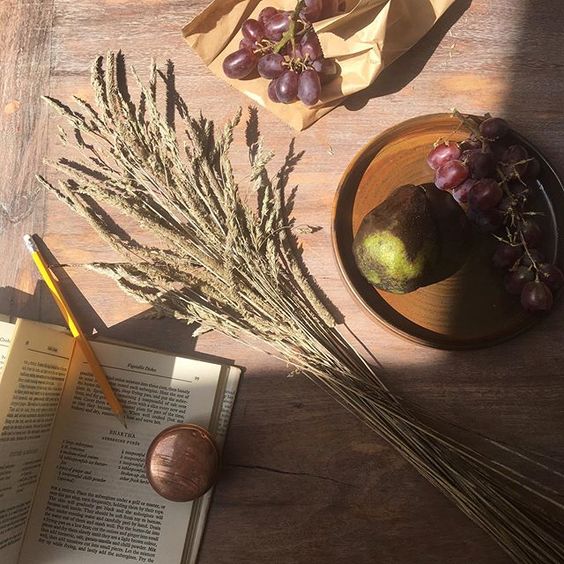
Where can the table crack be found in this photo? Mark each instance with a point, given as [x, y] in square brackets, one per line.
[290, 473]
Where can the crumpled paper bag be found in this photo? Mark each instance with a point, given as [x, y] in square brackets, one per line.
[364, 38]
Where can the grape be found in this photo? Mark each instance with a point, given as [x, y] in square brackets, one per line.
[312, 10]
[310, 46]
[266, 13]
[487, 221]
[512, 155]
[551, 275]
[485, 194]
[536, 296]
[277, 25]
[480, 163]
[506, 256]
[239, 64]
[531, 232]
[494, 128]
[515, 280]
[272, 91]
[253, 30]
[270, 66]
[297, 52]
[451, 174]
[309, 87]
[330, 8]
[327, 67]
[460, 193]
[534, 255]
[497, 148]
[443, 153]
[247, 43]
[287, 86]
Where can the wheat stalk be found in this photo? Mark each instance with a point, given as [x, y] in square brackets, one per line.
[237, 269]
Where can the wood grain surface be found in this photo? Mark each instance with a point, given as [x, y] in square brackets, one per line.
[302, 480]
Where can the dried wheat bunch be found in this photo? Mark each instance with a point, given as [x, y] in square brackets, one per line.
[236, 269]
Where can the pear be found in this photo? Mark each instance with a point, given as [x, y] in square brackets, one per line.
[416, 237]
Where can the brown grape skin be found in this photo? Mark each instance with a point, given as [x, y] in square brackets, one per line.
[536, 296]
[506, 256]
[310, 46]
[309, 87]
[276, 25]
[494, 128]
[312, 10]
[271, 65]
[239, 64]
[247, 43]
[481, 164]
[486, 221]
[485, 194]
[442, 153]
[531, 232]
[272, 92]
[450, 175]
[515, 280]
[551, 275]
[253, 30]
[287, 87]
[266, 13]
[460, 193]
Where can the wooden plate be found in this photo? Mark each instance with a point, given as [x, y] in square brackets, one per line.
[471, 308]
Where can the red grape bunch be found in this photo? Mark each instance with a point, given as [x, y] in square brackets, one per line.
[492, 178]
[283, 47]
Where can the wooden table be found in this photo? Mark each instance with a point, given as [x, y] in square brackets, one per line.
[303, 481]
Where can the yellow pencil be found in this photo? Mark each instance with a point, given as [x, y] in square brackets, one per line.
[53, 284]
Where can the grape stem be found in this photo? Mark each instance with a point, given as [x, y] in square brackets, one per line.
[534, 265]
[263, 46]
[469, 123]
[503, 182]
[290, 33]
[296, 64]
[516, 218]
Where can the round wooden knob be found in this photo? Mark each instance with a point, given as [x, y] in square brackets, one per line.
[182, 462]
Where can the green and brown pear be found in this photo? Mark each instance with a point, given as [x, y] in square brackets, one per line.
[417, 236]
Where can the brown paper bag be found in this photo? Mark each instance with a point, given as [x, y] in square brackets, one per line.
[364, 38]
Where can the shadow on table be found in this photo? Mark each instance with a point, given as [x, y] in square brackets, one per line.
[402, 71]
[534, 98]
[145, 330]
[15, 303]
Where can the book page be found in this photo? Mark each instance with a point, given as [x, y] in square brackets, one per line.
[6, 331]
[30, 389]
[94, 504]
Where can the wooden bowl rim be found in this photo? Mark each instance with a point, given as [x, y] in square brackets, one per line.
[438, 341]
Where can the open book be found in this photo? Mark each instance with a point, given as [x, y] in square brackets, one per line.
[72, 480]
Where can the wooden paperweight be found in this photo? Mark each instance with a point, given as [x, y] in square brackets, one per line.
[182, 462]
